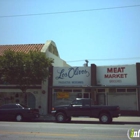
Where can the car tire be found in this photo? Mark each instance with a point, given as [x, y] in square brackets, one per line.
[60, 117]
[19, 118]
[105, 118]
[68, 119]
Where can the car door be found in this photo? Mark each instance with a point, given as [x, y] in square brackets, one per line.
[76, 107]
[12, 111]
[87, 107]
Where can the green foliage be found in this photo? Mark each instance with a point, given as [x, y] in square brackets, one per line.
[24, 69]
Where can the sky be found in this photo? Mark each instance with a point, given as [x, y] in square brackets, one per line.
[104, 32]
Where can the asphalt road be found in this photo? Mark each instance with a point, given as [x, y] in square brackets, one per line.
[78, 129]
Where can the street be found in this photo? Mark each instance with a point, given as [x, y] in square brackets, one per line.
[78, 129]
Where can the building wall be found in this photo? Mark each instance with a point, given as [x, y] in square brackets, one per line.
[116, 75]
[121, 81]
[58, 62]
[138, 82]
[45, 98]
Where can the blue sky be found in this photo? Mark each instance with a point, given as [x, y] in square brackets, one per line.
[104, 37]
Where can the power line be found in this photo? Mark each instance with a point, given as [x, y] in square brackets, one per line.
[111, 59]
[75, 11]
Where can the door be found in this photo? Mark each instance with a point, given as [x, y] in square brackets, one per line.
[31, 100]
[101, 99]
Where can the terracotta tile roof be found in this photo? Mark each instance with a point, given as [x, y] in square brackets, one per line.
[21, 48]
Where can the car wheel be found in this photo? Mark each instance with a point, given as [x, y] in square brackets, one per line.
[105, 118]
[68, 119]
[60, 117]
[19, 118]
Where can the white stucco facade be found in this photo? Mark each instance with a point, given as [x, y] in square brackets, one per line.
[117, 75]
[51, 51]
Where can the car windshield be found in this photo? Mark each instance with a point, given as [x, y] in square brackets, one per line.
[23, 106]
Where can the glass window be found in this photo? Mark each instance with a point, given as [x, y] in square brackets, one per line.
[88, 90]
[131, 90]
[77, 90]
[57, 90]
[77, 102]
[68, 90]
[79, 95]
[112, 90]
[121, 90]
[22, 106]
[101, 90]
[86, 95]
[9, 106]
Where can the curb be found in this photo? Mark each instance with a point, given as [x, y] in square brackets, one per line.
[50, 118]
[45, 118]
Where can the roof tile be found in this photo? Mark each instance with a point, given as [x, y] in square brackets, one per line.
[21, 48]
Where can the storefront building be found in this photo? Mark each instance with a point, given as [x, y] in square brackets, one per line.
[119, 87]
[37, 96]
[73, 77]
[106, 85]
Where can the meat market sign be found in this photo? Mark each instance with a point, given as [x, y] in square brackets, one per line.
[71, 76]
[117, 75]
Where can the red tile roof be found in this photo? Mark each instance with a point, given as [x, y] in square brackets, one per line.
[21, 48]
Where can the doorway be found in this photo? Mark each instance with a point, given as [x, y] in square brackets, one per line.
[31, 101]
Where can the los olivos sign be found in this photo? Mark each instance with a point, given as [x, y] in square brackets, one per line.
[71, 76]
[116, 75]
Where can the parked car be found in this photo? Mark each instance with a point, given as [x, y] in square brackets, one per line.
[17, 112]
[85, 107]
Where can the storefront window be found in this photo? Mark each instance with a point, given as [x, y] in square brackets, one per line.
[101, 90]
[121, 90]
[86, 95]
[57, 90]
[88, 90]
[131, 90]
[63, 98]
[66, 96]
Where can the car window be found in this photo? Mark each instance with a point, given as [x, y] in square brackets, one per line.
[77, 102]
[8, 106]
[21, 106]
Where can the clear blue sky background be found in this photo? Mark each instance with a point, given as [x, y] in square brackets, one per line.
[104, 37]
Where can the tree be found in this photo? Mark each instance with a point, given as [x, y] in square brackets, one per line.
[24, 69]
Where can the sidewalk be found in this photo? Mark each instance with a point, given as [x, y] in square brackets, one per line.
[121, 119]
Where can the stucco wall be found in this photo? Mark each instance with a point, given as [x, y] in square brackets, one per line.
[57, 60]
